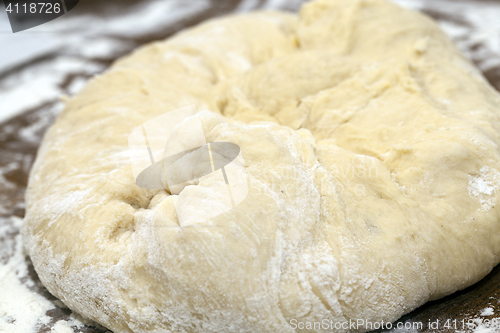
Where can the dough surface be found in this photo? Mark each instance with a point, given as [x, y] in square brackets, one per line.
[371, 149]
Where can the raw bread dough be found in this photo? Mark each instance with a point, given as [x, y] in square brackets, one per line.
[372, 157]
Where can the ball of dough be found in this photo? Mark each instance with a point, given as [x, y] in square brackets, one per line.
[371, 151]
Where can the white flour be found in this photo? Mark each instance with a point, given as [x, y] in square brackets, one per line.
[487, 312]
[485, 325]
[21, 309]
[482, 186]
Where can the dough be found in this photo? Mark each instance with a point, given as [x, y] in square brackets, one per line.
[371, 151]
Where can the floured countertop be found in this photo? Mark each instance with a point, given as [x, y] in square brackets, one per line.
[41, 64]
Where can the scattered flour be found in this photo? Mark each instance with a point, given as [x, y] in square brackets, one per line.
[478, 325]
[487, 312]
[21, 310]
[62, 326]
[484, 185]
[75, 45]
[476, 33]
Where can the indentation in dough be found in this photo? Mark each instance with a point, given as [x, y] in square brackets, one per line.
[123, 223]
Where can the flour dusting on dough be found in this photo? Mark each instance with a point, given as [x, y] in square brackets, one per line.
[484, 185]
